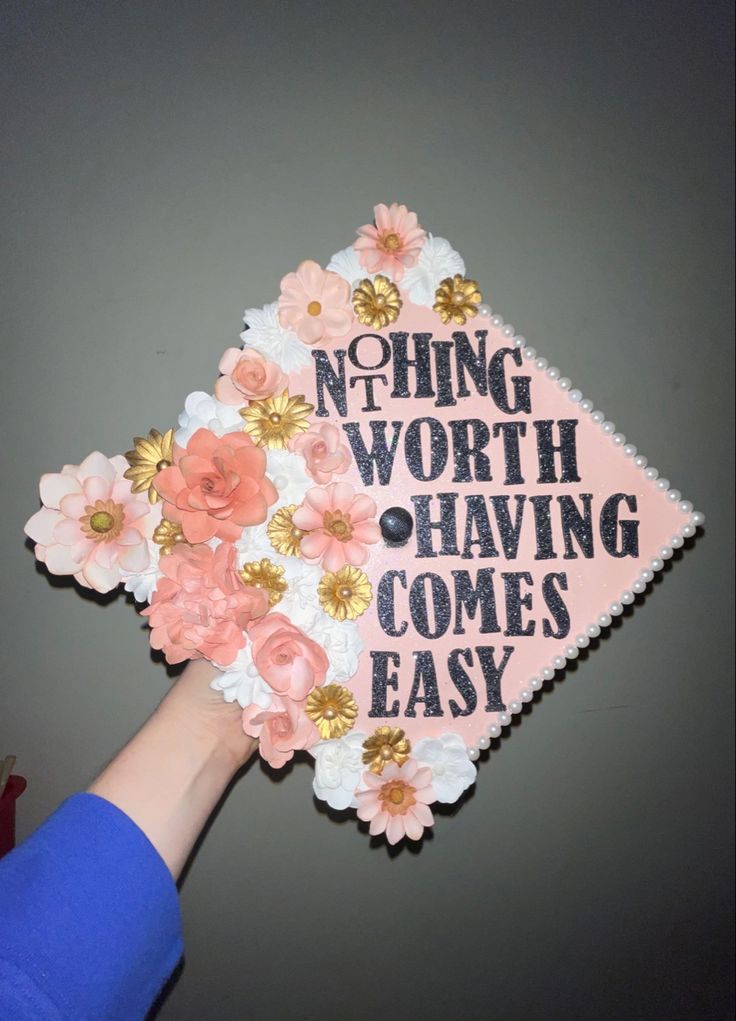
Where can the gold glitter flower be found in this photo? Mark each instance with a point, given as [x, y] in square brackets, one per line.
[283, 534]
[167, 534]
[151, 454]
[377, 303]
[386, 744]
[332, 709]
[266, 575]
[273, 421]
[103, 520]
[345, 594]
[457, 298]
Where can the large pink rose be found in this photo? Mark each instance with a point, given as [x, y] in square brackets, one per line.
[216, 486]
[323, 453]
[247, 376]
[282, 729]
[201, 608]
[287, 660]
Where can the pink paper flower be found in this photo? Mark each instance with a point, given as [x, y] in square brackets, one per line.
[396, 802]
[216, 486]
[340, 524]
[91, 525]
[282, 729]
[201, 608]
[322, 451]
[287, 660]
[315, 303]
[247, 376]
[391, 245]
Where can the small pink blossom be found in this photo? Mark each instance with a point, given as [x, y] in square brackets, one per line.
[396, 802]
[247, 376]
[91, 525]
[323, 453]
[286, 659]
[282, 729]
[393, 243]
[339, 523]
[315, 303]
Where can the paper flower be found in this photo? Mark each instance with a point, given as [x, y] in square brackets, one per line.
[392, 243]
[377, 303]
[266, 575]
[337, 770]
[324, 455]
[166, 535]
[91, 524]
[240, 681]
[265, 333]
[452, 770]
[285, 536]
[339, 524]
[457, 299]
[332, 709]
[437, 260]
[149, 456]
[247, 376]
[273, 421]
[288, 474]
[142, 584]
[397, 802]
[201, 607]
[342, 644]
[290, 662]
[216, 486]
[345, 594]
[346, 264]
[202, 411]
[386, 744]
[315, 304]
[282, 729]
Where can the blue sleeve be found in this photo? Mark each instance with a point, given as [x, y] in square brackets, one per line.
[89, 918]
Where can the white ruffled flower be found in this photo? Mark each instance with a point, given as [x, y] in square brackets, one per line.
[240, 682]
[254, 544]
[452, 770]
[302, 579]
[143, 584]
[203, 411]
[338, 767]
[286, 471]
[346, 264]
[342, 644]
[437, 260]
[266, 335]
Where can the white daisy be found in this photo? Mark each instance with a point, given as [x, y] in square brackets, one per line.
[437, 260]
[266, 335]
[286, 471]
[203, 411]
[347, 265]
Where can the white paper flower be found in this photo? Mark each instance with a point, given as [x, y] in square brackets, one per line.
[338, 767]
[346, 264]
[203, 411]
[452, 770]
[342, 643]
[143, 585]
[240, 682]
[437, 260]
[266, 335]
[302, 579]
[254, 544]
[286, 471]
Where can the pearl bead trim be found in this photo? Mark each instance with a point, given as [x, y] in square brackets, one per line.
[692, 520]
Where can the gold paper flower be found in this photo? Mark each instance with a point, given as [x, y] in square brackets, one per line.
[386, 744]
[345, 594]
[151, 454]
[457, 298]
[283, 534]
[274, 420]
[332, 709]
[167, 534]
[266, 575]
[377, 303]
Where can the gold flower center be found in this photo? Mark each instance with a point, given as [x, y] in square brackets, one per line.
[391, 242]
[386, 752]
[274, 418]
[380, 300]
[329, 712]
[396, 795]
[163, 464]
[314, 308]
[297, 533]
[338, 525]
[345, 592]
[458, 297]
[101, 522]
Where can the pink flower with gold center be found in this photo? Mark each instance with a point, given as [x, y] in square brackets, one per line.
[323, 453]
[391, 244]
[340, 524]
[91, 525]
[397, 801]
[315, 303]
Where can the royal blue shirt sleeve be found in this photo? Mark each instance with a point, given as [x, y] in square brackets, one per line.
[90, 927]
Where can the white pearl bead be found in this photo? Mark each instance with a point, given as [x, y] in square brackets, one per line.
[536, 683]
[514, 708]
[582, 641]
[619, 439]
[504, 719]
[508, 330]
[604, 620]
[576, 396]
[698, 518]
[484, 310]
[525, 695]
[686, 507]
[484, 743]
[553, 372]
[640, 461]
[688, 531]
[473, 754]
[674, 495]
[662, 485]
[547, 673]
[497, 320]
[559, 662]
[616, 609]
[647, 575]
[677, 542]
[627, 597]
[494, 731]
[564, 383]
[598, 417]
[519, 341]
[529, 352]
[651, 473]
[592, 630]
[541, 364]
[629, 449]
[586, 405]
[571, 652]
[639, 586]
[665, 552]
[656, 563]
[608, 428]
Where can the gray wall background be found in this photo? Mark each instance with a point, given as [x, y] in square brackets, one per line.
[166, 164]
